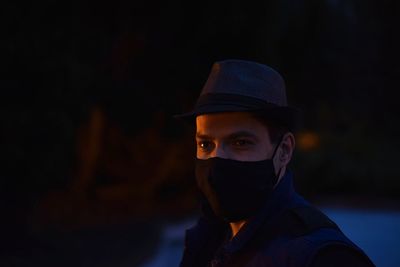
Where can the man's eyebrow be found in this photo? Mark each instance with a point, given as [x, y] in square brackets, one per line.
[235, 135]
[203, 136]
[241, 134]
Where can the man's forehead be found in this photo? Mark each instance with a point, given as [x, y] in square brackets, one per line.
[227, 125]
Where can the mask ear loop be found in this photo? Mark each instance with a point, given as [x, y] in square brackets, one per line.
[277, 146]
[273, 155]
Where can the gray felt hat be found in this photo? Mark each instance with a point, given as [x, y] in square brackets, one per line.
[238, 85]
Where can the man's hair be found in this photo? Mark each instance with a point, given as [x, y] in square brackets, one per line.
[276, 129]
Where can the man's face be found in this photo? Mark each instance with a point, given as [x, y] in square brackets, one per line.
[232, 135]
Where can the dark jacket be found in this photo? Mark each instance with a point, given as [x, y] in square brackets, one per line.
[288, 231]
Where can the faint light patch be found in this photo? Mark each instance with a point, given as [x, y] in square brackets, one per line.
[308, 141]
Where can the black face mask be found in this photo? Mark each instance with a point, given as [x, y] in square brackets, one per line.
[236, 190]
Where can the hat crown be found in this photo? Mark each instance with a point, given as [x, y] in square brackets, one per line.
[246, 78]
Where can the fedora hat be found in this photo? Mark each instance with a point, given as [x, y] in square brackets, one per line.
[246, 86]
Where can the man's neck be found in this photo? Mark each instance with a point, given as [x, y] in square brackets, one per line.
[236, 226]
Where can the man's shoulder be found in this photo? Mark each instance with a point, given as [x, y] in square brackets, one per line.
[321, 247]
[307, 234]
[339, 255]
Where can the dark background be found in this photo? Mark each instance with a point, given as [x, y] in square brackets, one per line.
[93, 164]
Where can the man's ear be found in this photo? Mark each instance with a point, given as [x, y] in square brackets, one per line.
[287, 147]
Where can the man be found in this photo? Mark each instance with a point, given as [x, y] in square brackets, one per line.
[251, 214]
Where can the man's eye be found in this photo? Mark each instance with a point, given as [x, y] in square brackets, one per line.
[204, 145]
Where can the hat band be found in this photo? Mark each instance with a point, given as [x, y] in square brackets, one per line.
[221, 99]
